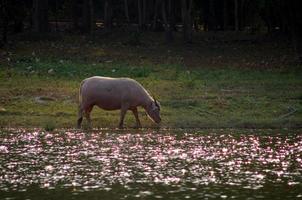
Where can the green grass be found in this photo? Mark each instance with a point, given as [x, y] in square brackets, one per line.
[198, 97]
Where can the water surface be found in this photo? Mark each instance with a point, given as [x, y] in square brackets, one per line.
[150, 165]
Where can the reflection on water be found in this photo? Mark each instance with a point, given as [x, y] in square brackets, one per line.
[149, 165]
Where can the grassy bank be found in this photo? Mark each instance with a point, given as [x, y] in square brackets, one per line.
[39, 86]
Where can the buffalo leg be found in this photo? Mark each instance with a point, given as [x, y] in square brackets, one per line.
[80, 117]
[124, 109]
[135, 113]
[87, 115]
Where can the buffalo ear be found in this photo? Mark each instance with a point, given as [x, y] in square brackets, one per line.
[157, 103]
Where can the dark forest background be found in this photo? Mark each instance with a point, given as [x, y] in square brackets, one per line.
[211, 63]
[275, 17]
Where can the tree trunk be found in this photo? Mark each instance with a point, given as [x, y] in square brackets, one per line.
[85, 20]
[4, 31]
[284, 18]
[144, 11]
[190, 21]
[164, 14]
[155, 16]
[157, 24]
[242, 15]
[18, 18]
[140, 13]
[295, 26]
[4, 20]
[92, 22]
[171, 19]
[88, 19]
[236, 15]
[40, 15]
[186, 8]
[56, 15]
[108, 15]
[167, 20]
[75, 14]
[225, 15]
[212, 16]
[126, 11]
[184, 18]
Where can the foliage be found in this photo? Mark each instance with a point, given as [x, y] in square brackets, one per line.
[49, 125]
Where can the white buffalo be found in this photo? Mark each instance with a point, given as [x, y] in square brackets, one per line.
[114, 94]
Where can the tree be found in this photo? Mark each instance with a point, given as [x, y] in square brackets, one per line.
[40, 15]
[295, 25]
[225, 14]
[212, 15]
[75, 14]
[157, 24]
[108, 15]
[88, 17]
[186, 10]
[18, 15]
[4, 20]
[126, 11]
[140, 13]
[168, 19]
[236, 15]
